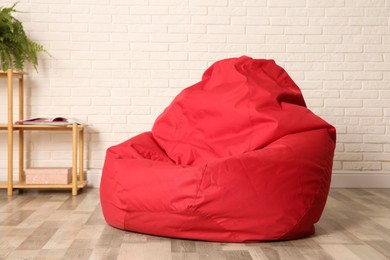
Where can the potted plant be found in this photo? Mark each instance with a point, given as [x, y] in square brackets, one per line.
[16, 47]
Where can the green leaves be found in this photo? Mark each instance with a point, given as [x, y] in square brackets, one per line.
[15, 46]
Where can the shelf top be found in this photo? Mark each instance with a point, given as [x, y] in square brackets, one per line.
[15, 74]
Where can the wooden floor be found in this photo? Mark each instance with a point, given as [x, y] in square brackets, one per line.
[55, 225]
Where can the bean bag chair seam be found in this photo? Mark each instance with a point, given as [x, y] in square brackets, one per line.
[214, 219]
[321, 189]
[197, 197]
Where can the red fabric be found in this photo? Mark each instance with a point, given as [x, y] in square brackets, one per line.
[236, 157]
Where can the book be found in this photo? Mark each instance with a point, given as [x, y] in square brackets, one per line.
[47, 121]
[48, 175]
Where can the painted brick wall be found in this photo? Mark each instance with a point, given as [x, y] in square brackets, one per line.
[116, 64]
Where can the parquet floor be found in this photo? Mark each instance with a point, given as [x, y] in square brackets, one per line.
[55, 225]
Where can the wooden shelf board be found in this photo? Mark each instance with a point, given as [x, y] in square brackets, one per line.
[41, 127]
[15, 74]
[23, 185]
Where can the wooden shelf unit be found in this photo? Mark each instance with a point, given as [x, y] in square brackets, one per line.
[77, 130]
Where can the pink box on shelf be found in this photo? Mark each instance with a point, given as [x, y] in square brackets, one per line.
[48, 175]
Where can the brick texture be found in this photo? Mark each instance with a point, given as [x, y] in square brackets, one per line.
[116, 64]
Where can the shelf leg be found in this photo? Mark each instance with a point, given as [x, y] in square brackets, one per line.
[21, 98]
[74, 158]
[10, 133]
[81, 155]
[21, 132]
[21, 156]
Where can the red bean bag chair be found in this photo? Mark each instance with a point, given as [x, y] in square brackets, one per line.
[236, 157]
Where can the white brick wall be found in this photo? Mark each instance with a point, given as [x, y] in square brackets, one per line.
[116, 64]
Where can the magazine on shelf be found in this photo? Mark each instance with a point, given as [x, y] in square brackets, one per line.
[60, 121]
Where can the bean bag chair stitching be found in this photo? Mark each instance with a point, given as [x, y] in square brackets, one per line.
[192, 207]
[214, 219]
[103, 198]
[121, 198]
[321, 191]
[299, 177]
[250, 116]
[300, 192]
[307, 211]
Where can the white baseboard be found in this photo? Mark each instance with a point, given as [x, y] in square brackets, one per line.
[340, 179]
[93, 177]
[345, 179]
